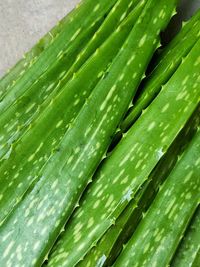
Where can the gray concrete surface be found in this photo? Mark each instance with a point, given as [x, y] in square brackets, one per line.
[23, 22]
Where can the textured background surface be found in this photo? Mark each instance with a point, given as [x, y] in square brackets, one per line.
[23, 22]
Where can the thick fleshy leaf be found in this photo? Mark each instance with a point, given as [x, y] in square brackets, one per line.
[70, 169]
[111, 244]
[37, 145]
[164, 69]
[130, 164]
[26, 108]
[78, 23]
[188, 252]
[162, 228]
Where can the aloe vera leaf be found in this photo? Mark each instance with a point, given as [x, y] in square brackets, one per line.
[76, 91]
[69, 171]
[17, 70]
[22, 65]
[96, 10]
[172, 47]
[160, 75]
[61, 64]
[26, 108]
[111, 244]
[160, 231]
[186, 28]
[117, 14]
[187, 254]
[131, 162]
[196, 262]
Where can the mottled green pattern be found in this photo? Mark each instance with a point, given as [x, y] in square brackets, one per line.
[188, 253]
[70, 169]
[180, 37]
[116, 16]
[129, 165]
[161, 74]
[23, 164]
[59, 44]
[16, 119]
[25, 110]
[160, 231]
[112, 242]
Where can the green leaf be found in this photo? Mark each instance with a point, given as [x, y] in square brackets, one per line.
[26, 109]
[164, 69]
[78, 23]
[180, 37]
[111, 244]
[29, 155]
[161, 229]
[128, 167]
[70, 169]
[188, 252]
